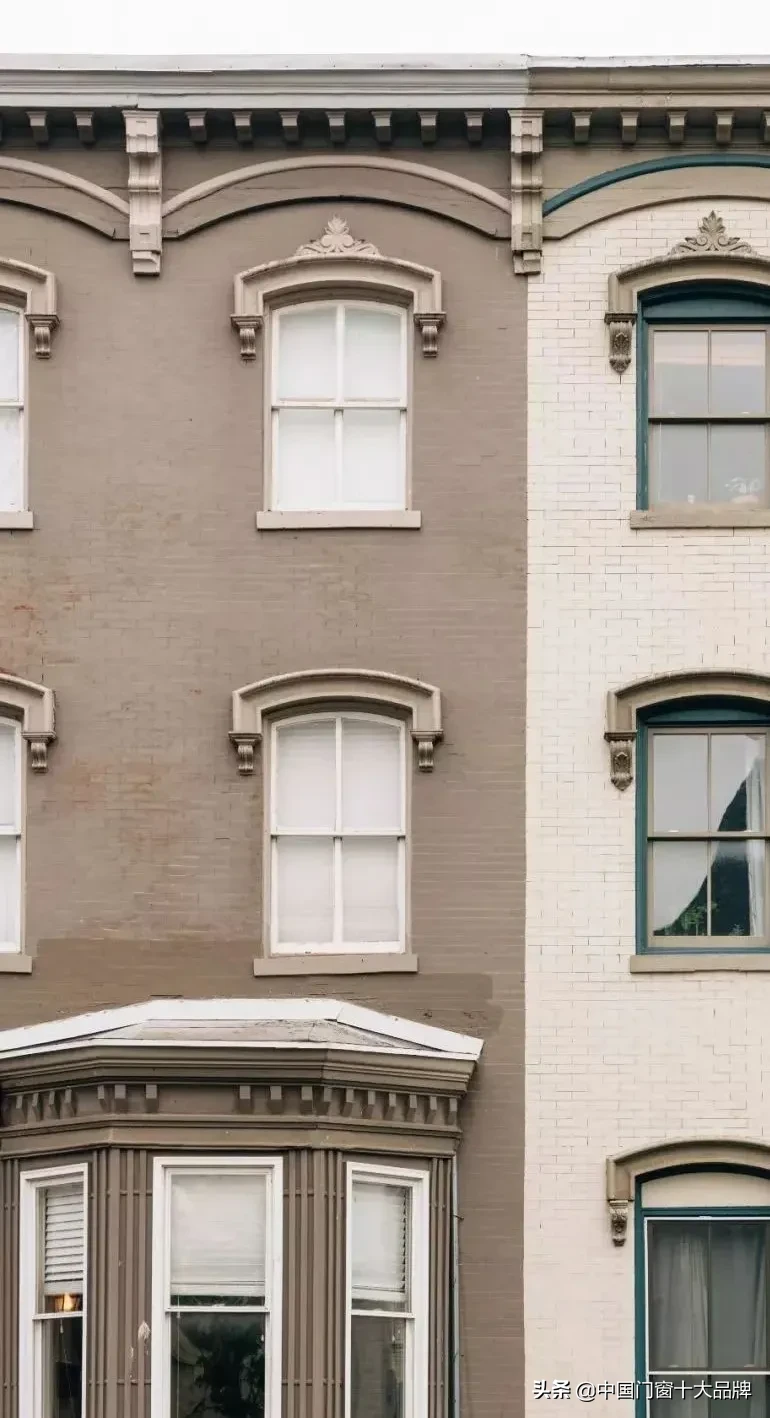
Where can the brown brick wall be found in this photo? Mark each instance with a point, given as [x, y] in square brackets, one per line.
[145, 596]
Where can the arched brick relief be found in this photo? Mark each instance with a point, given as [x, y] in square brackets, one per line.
[653, 189]
[334, 178]
[63, 194]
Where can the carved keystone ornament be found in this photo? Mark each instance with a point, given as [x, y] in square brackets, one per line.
[709, 241]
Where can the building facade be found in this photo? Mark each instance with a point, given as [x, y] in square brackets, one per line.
[647, 1188]
[383, 492]
[262, 859]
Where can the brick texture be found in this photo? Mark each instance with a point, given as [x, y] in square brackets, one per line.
[613, 1061]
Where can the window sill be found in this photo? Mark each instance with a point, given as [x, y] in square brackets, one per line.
[673, 517]
[680, 964]
[15, 964]
[280, 521]
[16, 522]
[336, 965]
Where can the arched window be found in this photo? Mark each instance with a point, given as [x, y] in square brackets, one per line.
[702, 1261]
[338, 823]
[338, 408]
[704, 397]
[703, 821]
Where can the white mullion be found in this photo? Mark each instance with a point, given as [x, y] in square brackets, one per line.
[339, 400]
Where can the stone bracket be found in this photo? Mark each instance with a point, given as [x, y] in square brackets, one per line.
[618, 1221]
[621, 328]
[621, 758]
[526, 190]
[144, 190]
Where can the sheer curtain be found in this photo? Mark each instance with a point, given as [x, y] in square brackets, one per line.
[707, 1311]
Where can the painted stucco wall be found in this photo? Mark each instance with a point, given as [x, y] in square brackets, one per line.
[614, 1061]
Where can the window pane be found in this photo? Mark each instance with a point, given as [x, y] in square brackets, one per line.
[9, 794]
[380, 1246]
[680, 372]
[370, 890]
[218, 1224]
[306, 777]
[738, 463]
[707, 1395]
[738, 384]
[373, 354]
[737, 782]
[680, 782]
[9, 891]
[305, 460]
[678, 463]
[9, 354]
[10, 460]
[377, 1348]
[738, 1295]
[679, 905]
[678, 1294]
[217, 1365]
[373, 458]
[305, 890]
[738, 889]
[371, 776]
[63, 1368]
[306, 354]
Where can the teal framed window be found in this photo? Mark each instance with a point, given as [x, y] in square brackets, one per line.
[703, 1312]
[704, 397]
[703, 844]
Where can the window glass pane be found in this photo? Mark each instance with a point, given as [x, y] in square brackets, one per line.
[9, 891]
[737, 782]
[678, 462]
[738, 384]
[680, 783]
[9, 793]
[304, 459]
[738, 463]
[738, 1295]
[373, 458]
[217, 1365]
[218, 1224]
[306, 777]
[9, 354]
[377, 1349]
[678, 1294]
[370, 890]
[306, 354]
[62, 1367]
[10, 460]
[305, 890]
[704, 1395]
[738, 889]
[680, 372]
[373, 354]
[371, 776]
[380, 1246]
[679, 904]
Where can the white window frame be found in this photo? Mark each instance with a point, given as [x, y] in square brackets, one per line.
[30, 1253]
[164, 1168]
[13, 947]
[418, 1320]
[339, 404]
[336, 946]
[19, 404]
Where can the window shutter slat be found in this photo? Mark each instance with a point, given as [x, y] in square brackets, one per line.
[64, 1240]
[380, 1244]
[218, 1235]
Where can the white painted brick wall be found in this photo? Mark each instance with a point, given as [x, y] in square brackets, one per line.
[613, 1061]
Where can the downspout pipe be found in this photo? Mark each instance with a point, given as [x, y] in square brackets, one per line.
[455, 1234]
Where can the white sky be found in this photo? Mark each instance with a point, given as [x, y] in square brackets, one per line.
[660, 28]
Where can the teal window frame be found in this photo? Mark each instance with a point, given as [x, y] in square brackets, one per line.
[705, 303]
[719, 713]
[641, 1216]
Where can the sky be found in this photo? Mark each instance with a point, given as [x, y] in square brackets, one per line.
[653, 28]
